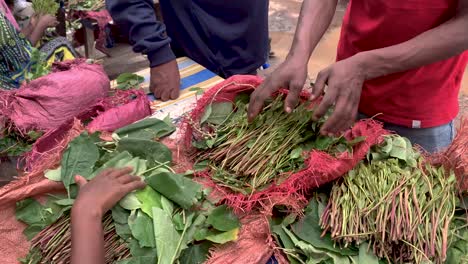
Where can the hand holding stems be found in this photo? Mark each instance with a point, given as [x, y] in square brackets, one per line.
[47, 21]
[165, 81]
[95, 198]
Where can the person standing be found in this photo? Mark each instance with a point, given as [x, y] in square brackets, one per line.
[226, 37]
[400, 61]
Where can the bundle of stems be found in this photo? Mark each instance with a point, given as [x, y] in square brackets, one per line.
[54, 243]
[250, 156]
[404, 212]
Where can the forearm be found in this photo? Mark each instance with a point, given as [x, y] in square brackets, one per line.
[87, 236]
[314, 20]
[36, 34]
[147, 35]
[26, 31]
[440, 43]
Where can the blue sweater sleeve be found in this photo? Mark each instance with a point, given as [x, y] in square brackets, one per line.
[146, 34]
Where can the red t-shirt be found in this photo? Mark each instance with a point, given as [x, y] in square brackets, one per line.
[422, 97]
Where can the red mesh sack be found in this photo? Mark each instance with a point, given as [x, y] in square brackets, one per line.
[48, 102]
[320, 167]
[124, 113]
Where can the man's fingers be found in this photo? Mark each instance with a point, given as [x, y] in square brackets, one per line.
[292, 99]
[338, 119]
[174, 93]
[80, 180]
[319, 85]
[325, 104]
[133, 185]
[257, 100]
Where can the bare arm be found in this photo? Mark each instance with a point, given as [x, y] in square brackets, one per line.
[314, 19]
[87, 236]
[345, 78]
[95, 198]
[36, 30]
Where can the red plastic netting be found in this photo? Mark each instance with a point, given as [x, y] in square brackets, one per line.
[321, 168]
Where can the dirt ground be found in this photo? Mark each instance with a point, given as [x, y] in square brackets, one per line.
[283, 19]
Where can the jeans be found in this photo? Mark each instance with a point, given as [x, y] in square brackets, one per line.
[432, 139]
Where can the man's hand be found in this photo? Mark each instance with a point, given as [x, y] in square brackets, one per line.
[344, 79]
[106, 189]
[289, 75]
[47, 21]
[165, 81]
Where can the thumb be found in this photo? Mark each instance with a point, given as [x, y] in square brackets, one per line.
[80, 180]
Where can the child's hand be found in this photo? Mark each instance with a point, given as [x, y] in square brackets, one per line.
[106, 189]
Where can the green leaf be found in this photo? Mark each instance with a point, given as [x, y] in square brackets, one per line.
[148, 129]
[31, 231]
[296, 153]
[138, 251]
[223, 219]
[78, 159]
[323, 142]
[65, 202]
[399, 148]
[30, 211]
[206, 114]
[130, 202]
[224, 237]
[197, 224]
[166, 237]
[309, 230]
[123, 230]
[197, 90]
[119, 161]
[202, 165]
[142, 228]
[219, 113]
[120, 215]
[366, 256]
[148, 198]
[54, 175]
[154, 152]
[167, 205]
[356, 140]
[196, 254]
[179, 189]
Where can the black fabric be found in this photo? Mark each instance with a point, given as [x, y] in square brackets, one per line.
[227, 37]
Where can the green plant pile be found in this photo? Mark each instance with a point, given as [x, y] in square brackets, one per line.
[169, 221]
[14, 145]
[403, 208]
[248, 157]
[127, 81]
[38, 65]
[45, 7]
[86, 5]
[301, 239]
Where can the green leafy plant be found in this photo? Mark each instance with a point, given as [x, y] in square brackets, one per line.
[127, 81]
[43, 7]
[38, 65]
[248, 157]
[157, 223]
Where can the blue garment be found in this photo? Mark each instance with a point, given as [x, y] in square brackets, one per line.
[432, 139]
[226, 37]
